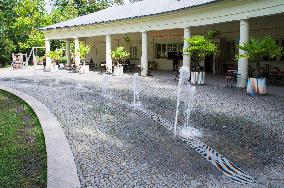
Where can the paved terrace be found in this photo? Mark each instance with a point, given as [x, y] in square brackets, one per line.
[116, 146]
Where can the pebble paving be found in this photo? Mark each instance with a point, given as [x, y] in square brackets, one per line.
[115, 146]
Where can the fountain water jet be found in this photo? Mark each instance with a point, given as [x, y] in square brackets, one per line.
[105, 86]
[79, 85]
[189, 95]
[136, 90]
[104, 83]
[182, 83]
[57, 82]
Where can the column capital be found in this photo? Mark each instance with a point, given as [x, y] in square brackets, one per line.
[187, 32]
[77, 41]
[244, 21]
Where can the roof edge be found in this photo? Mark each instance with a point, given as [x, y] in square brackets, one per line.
[136, 17]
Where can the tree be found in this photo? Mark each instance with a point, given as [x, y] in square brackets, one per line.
[20, 21]
[119, 54]
[84, 50]
[121, 2]
[255, 49]
[68, 9]
[7, 16]
[199, 47]
[55, 55]
[31, 15]
[82, 7]
[63, 10]
[117, 2]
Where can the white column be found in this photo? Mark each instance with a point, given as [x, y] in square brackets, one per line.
[243, 61]
[108, 54]
[144, 57]
[77, 52]
[186, 56]
[34, 57]
[47, 50]
[68, 53]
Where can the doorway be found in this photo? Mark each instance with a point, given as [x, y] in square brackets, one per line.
[208, 63]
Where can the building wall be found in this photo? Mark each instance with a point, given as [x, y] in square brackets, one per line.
[259, 27]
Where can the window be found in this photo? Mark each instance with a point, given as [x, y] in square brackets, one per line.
[162, 50]
[133, 52]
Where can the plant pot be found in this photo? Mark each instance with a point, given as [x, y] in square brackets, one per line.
[197, 77]
[257, 85]
[50, 68]
[85, 69]
[55, 68]
[194, 77]
[118, 70]
[201, 78]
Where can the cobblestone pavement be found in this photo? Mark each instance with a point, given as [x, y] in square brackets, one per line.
[116, 146]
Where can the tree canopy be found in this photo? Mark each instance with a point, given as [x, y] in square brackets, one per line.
[255, 49]
[200, 46]
[20, 21]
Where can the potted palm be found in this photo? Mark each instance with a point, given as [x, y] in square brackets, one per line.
[255, 50]
[55, 57]
[118, 55]
[84, 50]
[199, 47]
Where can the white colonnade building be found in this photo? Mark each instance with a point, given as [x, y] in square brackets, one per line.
[151, 31]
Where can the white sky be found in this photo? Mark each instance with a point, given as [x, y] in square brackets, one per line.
[48, 5]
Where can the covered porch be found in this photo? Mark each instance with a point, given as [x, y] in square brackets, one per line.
[155, 39]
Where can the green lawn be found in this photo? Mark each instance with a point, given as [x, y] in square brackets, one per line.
[22, 149]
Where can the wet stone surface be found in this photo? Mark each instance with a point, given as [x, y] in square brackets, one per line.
[116, 146]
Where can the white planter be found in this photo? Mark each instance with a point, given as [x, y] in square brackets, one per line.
[197, 77]
[249, 88]
[85, 69]
[194, 77]
[201, 78]
[256, 85]
[121, 70]
[51, 68]
[118, 70]
[61, 66]
[55, 68]
[262, 86]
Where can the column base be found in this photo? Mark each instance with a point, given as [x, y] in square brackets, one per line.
[241, 82]
[144, 73]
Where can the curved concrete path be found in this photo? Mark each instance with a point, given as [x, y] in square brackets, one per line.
[61, 168]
